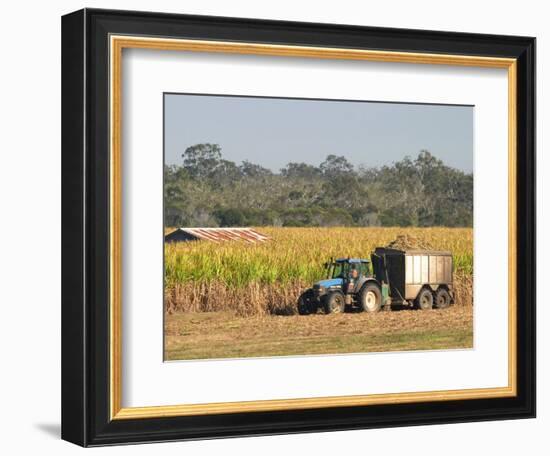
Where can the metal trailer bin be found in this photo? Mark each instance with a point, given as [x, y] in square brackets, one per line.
[407, 272]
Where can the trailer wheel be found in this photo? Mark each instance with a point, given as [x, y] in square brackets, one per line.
[442, 299]
[370, 298]
[334, 303]
[424, 300]
[305, 303]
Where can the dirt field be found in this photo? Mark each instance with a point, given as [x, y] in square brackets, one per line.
[207, 335]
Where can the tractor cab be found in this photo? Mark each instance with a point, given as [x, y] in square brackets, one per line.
[344, 275]
[348, 268]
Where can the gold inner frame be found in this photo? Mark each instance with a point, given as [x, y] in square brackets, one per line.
[117, 44]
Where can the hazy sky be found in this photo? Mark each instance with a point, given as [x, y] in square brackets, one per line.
[273, 131]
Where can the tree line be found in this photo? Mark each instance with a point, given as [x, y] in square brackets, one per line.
[208, 190]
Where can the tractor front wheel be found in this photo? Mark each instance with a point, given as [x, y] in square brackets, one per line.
[305, 303]
[370, 298]
[334, 303]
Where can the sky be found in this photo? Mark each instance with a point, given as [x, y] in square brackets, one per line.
[275, 131]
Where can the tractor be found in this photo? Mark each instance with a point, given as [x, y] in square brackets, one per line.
[421, 279]
[349, 284]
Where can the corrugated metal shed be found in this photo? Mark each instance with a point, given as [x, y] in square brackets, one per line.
[215, 235]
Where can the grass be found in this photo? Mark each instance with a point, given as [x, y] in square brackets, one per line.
[223, 335]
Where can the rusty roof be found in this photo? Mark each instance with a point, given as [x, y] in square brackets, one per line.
[226, 234]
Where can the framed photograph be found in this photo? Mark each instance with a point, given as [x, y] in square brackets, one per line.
[278, 227]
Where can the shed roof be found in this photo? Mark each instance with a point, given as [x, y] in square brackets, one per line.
[222, 234]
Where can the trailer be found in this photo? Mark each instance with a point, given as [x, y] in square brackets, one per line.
[419, 278]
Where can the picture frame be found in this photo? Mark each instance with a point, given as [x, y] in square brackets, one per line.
[92, 365]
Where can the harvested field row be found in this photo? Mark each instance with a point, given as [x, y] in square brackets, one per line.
[261, 299]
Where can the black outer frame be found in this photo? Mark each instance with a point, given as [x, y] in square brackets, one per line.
[85, 227]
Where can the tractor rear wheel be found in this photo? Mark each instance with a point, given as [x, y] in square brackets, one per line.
[305, 303]
[442, 299]
[370, 298]
[424, 300]
[334, 303]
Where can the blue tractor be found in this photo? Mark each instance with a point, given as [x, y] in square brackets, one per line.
[350, 283]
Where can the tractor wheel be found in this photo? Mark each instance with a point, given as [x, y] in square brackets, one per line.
[370, 298]
[442, 299]
[334, 303]
[305, 303]
[424, 300]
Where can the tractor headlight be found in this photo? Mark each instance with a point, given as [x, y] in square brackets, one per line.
[319, 290]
